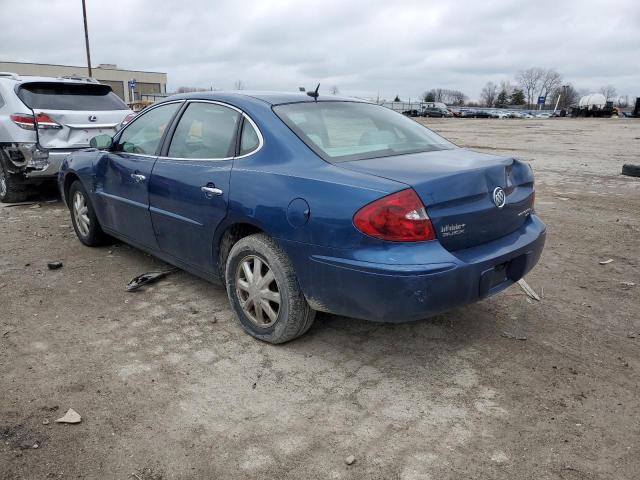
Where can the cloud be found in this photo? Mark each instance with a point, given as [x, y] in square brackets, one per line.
[366, 48]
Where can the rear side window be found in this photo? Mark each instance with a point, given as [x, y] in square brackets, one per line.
[70, 96]
[205, 130]
[249, 140]
[143, 135]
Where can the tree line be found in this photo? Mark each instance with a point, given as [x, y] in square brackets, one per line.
[529, 84]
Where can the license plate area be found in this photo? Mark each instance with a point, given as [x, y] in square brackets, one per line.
[502, 275]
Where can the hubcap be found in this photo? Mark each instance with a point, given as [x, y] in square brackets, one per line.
[81, 213]
[3, 183]
[258, 291]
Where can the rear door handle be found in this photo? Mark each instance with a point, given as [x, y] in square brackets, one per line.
[211, 191]
[138, 178]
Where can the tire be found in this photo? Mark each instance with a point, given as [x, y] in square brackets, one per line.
[83, 217]
[631, 170]
[293, 317]
[12, 190]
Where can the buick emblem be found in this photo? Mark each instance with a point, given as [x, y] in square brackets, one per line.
[499, 197]
[92, 118]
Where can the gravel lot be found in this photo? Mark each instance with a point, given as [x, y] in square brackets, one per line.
[169, 386]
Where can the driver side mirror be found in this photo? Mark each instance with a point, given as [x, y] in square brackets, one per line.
[101, 142]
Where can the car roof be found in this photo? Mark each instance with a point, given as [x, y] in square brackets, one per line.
[272, 98]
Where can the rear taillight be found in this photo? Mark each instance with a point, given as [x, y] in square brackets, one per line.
[29, 122]
[127, 119]
[24, 121]
[399, 217]
[44, 121]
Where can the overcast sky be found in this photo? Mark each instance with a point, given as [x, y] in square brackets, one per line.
[365, 48]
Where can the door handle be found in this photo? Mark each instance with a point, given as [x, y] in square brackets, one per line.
[211, 191]
[138, 178]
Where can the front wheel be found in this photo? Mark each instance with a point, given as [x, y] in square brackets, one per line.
[83, 217]
[264, 292]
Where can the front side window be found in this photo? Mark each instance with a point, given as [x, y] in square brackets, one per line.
[143, 135]
[345, 131]
[205, 130]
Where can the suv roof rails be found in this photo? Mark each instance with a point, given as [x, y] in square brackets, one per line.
[12, 75]
[79, 77]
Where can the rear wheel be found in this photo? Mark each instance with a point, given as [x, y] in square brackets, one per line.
[83, 217]
[12, 190]
[264, 292]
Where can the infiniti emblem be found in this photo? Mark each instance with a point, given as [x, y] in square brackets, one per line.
[499, 197]
[92, 118]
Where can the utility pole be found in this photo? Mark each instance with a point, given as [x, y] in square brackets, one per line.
[86, 36]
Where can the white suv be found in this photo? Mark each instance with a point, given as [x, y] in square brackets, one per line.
[43, 119]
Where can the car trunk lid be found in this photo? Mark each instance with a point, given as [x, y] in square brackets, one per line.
[457, 188]
[81, 111]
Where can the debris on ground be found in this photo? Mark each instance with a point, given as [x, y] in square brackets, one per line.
[70, 417]
[606, 262]
[528, 290]
[54, 265]
[148, 278]
[513, 336]
[147, 473]
[350, 460]
[631, 170]
[627, 285]
[18, 204]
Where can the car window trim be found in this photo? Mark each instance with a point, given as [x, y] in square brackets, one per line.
[243, 116]
[116, 139]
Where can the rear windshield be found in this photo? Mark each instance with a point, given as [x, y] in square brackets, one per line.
[345, 131]
[68, 96]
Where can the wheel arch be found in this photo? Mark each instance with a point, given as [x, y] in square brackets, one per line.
[69, 178]
[229, 235]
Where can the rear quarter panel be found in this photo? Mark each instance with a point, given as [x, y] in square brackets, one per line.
[264, 184]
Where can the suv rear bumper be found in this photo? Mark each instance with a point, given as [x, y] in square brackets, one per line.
[55, 159]
[32, 162]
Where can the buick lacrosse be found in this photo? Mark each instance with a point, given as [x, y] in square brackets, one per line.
[302, 203]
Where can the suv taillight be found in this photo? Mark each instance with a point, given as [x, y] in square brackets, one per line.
[127, 119]
[24, 121]
[399, 217]
[44, 121]
[29, 122]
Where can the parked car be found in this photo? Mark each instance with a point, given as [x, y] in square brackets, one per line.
[482, 114]
[42, 120]
[299, 205]
[436, 112]
[411, 113]
[499, 114]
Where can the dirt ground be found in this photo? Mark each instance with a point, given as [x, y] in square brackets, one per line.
[169, 386]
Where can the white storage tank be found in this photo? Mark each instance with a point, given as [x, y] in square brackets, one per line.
[593, 101]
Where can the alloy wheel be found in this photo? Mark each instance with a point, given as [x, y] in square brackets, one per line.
[258, 291]
[81, 213]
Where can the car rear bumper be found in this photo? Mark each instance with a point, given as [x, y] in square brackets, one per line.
[34, 162]
[51, 169]
[404, 292]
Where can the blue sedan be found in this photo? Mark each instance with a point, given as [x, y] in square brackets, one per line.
[298, 204]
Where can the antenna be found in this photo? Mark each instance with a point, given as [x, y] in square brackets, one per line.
[314, 94]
